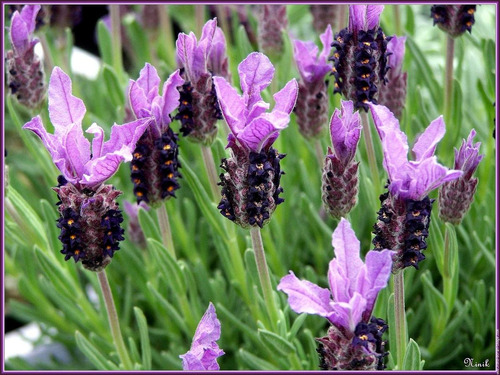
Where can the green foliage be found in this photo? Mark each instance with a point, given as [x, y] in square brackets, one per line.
[160, 298]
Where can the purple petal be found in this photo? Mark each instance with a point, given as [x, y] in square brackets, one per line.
[185, 46]
[394, 141]
[138, 100]
[467, 158]
[204, 349]
[231, 104]
[64, 108]
[304, 296]
[263, 130]
[19, 34]
[171, 95]
[378, 267]
[285, 98]
[396, 51]
[149, 81]
[338, 281]
[346, 248]
[126, 135]
[217, 54]
[97, 141]
[256, 73]
[305, 54]
[28, 14]
[357, 16]
[77, 149]
[349, 314]
[345, 130]
[100, 169]
[327, 40]
[200, 56]
[426, 143]
[373, 16]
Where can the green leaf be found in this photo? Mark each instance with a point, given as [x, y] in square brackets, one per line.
[251, 266]
[412, 360]
[145, 344]
[138, 38]
[254, 362]
[149, 225]
[171, 270]
[113, 87]
[275, 342]
[105, 44]
[410, 21]
[93, 354]
[436, 304]
[297, 324]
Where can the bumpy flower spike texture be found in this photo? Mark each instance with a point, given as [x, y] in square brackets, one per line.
[312, 103]
[404, 218]
[251, 182]
[360, 59]
[199, 61]
[354, 339]
[272, 22]
[154, 169]
[89, 214]
[455, 197]
[25, 77]
[453, 19]
[393, 93]
[204, 349]
[340, 170]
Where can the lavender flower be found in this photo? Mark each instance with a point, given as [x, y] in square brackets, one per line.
[89, 215]
[251, 184]
[324, 15]
[272, 22]
[199, 60]
[404, 219]
[453, 19]
[340, 171]
[204, 349]
[354, 340]
[393, 94]
[455, 197]
[24, 69]
[360, 60]
[154, 168]
[312, 101]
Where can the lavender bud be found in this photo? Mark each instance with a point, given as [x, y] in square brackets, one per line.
[311, 109]
[90, 224]
[324, 15]
[272, 21]
[453, 19]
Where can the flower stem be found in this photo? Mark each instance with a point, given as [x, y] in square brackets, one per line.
[166, 233]
[370, 151]
[397, 19]
[116, 39]
[319, 152]
[113, 321]
[166, 34]
[342, 16]
[265, 280]
[448, 85]
[400, 318]
[47, 56]
[208, 159]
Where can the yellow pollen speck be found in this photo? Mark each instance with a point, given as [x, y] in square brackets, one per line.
[333, 69]
[108, 247]
[260, 166]
[167, 147]
[471, 11]
[416, 213]
[365, 88]
[77, 252]
[170, 175]
[185, 117]
[170, 189]
[137, 155]
[185, 102]
[339, 39]
[135, 168]
[469, 24]
[366, 43]
[367, 75]
[73, 236]
[109, 233]
[336, 55]
[336, 85]
[363, 337]
[418, 233]
[139, 194]
[137, 181]
[365, 61]
[365, 100]
[70, 222]
[168, 162]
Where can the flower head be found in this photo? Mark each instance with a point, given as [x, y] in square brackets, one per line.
[364, 17]
[69, 148]
[311, 65]
[345, 130]
[146, 102]
[134, 229]
[412, 179]
[204, 349]
[467, 158]
[272, 21]
[453, 19]
[252, 127]
[354, 285]
[24, 70]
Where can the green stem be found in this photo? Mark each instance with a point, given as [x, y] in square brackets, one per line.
[208, 159]
[223, 21]
[397, 19]
[116, 39]
[113, 321]
[265, 280]
[166, 232]
[400, 318]
[370, 152]
[448, 85]
[199, 10]
[319, 152]
[342, 16]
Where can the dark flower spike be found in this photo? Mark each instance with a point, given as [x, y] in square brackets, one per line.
[25, 77]
[199, 61]
[393, 93]
[312, 102]
[272, 22]
[360, 59]
[404, 217]
[453, 19]
[251, 182]
[455, 197]
[354, 286]
[155, 166]
[340, 171]
[89, 215]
